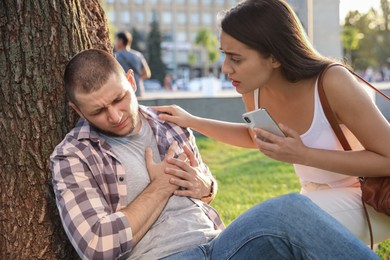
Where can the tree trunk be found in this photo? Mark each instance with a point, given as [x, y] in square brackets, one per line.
[37, 39]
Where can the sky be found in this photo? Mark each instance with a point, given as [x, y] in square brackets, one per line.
[360, 5]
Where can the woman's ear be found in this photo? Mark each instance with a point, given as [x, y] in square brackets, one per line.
[274, 62]
[130, 78]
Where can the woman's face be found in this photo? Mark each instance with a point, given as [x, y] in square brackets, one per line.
[244, 66]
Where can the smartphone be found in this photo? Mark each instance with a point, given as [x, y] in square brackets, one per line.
[260, 118]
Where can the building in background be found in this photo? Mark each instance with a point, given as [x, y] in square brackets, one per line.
[179, 20]
[320, 18]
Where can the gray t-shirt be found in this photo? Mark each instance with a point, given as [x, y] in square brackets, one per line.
[182, 224]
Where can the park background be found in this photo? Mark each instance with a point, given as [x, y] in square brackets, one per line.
[39, 37]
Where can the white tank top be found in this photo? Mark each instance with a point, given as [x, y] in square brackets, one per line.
[321, 136]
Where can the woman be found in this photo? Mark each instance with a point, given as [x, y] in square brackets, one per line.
[272, 65]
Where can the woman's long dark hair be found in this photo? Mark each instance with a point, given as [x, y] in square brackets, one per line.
[272, 28]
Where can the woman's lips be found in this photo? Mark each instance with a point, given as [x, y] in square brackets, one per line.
[235, 83]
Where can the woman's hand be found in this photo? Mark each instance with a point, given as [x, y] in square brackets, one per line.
[288, 149]
[176, 115]
[188, 176]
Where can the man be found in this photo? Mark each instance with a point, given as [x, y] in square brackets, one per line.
[131, 59]
[117, 201]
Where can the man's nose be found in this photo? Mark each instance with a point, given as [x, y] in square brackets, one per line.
[114, 115]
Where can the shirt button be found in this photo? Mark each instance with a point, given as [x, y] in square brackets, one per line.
[121, 179]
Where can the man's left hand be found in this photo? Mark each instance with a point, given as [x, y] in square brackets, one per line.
[189, 176]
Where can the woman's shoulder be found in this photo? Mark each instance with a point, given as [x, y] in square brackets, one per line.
[338, 81]
[345, 93]
[337, 75]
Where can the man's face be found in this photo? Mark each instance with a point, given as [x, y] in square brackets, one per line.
[119, 44]
[113, 109]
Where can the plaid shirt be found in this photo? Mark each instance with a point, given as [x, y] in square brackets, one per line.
[89, 187]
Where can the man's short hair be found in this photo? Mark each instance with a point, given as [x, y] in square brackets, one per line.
[88, 71]
[125, 37]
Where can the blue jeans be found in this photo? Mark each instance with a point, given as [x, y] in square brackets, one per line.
[287, 227]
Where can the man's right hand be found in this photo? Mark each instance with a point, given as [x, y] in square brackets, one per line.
[156, 171]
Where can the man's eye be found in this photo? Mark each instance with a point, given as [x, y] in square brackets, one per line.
[97, 112]
[119, 99]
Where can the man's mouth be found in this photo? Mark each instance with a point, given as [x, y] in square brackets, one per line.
[121, 124]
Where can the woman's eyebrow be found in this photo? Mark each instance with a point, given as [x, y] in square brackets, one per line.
[229, 52]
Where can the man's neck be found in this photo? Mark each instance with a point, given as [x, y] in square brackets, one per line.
[124, 49]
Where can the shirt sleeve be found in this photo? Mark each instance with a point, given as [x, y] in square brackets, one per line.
[95, 230]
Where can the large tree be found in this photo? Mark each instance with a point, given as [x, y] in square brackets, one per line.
[37, 39]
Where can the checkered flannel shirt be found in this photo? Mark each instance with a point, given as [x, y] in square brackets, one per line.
[89, 187]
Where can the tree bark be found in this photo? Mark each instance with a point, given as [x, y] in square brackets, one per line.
[37, 39]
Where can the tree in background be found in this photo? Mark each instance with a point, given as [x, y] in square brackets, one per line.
[209, 43]
[385, 33]
[385, 6]
[38, 38]
[137, 40]
[155, 62]
[192, 59]
[367, 27]
[371, 32]
[111, 27]
[350, 38]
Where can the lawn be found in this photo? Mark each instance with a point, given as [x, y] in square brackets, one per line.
[246, 177]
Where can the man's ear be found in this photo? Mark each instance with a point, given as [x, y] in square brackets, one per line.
[74, 106]
[130, 78]
[274, 62]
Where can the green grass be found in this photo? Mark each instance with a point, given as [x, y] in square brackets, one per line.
[246, 177]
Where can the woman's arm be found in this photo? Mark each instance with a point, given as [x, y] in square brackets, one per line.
[231, 133]
[358, 113]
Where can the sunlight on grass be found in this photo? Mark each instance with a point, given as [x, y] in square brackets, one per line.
[246, 178]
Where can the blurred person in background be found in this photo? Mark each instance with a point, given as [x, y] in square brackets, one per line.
[168, 82]
[131, 59]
